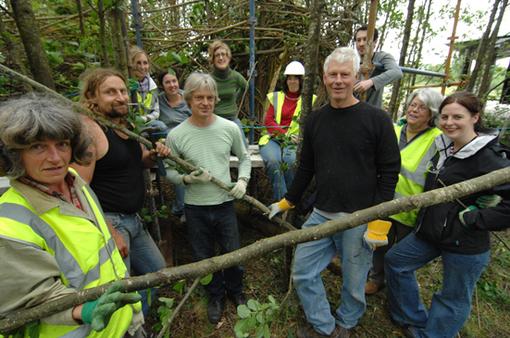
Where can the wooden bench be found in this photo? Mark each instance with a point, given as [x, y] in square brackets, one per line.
[256, 159]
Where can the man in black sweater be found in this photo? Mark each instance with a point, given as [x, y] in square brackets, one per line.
[351, 149]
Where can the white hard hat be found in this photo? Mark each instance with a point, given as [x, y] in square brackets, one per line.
[294, 68]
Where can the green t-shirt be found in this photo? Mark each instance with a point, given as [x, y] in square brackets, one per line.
[209, 148]
[231, 87]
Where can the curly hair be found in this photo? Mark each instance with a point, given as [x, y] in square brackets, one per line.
[34, 118]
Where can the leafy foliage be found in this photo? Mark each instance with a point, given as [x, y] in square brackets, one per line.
[256, 318]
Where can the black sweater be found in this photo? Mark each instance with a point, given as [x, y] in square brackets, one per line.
[354, 156]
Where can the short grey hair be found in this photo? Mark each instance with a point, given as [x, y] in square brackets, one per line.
[198, 81]
[341, 55]
[34, 118]
[430, 98]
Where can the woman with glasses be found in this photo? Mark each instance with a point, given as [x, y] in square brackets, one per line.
[231, 84]
[416, 142]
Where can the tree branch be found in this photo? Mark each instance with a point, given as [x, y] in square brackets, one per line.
[166, 276]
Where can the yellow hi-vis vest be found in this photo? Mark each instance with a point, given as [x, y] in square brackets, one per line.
[411, 179]
[85, 253]
[276, 99]
[144, 105]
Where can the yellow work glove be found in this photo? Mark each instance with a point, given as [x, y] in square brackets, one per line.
[281, 206]
[377, 233]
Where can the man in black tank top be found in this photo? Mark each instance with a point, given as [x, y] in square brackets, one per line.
[116, 174]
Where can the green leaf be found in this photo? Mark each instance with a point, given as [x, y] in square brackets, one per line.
[243, 311]
[253, 304]
[260, 318]
[267, 333]
[206, 279]
[168, 302]
[179, 286]
[271, 299]
[241, 328]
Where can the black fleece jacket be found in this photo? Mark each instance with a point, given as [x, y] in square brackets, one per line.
[354, 156]
[439, 224]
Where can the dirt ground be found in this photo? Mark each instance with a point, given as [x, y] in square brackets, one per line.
[267, 276]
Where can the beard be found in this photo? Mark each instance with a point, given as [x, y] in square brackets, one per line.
[116, 113]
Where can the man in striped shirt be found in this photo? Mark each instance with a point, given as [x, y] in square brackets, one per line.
[206, 140]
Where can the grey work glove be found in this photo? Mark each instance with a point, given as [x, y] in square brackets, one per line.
[239, 189]
[98, 312]
[197, 176]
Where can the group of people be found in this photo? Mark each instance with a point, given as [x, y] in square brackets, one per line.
[69, 221]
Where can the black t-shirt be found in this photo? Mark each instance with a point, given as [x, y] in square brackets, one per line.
[354, 156]
[118, 176]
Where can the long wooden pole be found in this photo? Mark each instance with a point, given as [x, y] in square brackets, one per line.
[165, 276]
[186, 166]
[450, 50]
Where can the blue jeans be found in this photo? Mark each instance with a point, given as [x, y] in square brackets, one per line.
[178, 204]
[311, 258]
[274, 158]
[450, 306]
[144, 255]
[210, 224]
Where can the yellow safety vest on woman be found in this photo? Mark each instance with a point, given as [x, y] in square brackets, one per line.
[85, 253]
[411, 179]
[276, 99]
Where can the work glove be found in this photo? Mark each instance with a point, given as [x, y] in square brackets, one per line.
[294, 138]
[197, 176]
[239, 189]
[488, 201]
[463, 212]
[281, 206]
[376, 234]
[98, 312]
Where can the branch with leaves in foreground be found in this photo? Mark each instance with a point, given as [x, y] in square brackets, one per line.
[184, 165]
[166, 276]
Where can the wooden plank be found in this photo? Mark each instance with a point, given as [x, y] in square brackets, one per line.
[256, 159]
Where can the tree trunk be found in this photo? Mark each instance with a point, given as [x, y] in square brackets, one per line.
[165, 276]
[394, 101]
[13, 54]
[482, 49]
[121, 62]
[30, 36]
[80, 15]
[105, 60]
[490, 58]
[417, 60]
[311, 66]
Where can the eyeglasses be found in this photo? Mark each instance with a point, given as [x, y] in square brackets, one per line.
[419, 107]
[220, 55]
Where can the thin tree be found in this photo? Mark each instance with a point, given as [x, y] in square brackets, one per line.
[394, 101]
[491, 55]
[31, 38]
[482, 48]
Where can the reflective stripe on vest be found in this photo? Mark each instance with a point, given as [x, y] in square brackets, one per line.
[415, 157]
[144, 105]
[66, 262]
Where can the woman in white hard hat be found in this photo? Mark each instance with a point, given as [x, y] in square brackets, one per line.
[279, 140]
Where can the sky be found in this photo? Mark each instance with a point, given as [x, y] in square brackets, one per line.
[438, 46]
